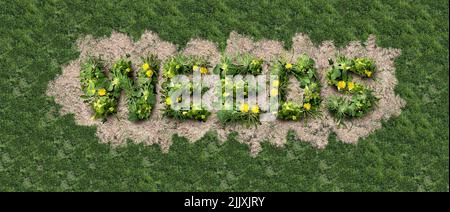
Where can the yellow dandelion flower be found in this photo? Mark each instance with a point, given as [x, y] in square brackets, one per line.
[244, 108]
[177, 66]
[274, 92]
[145, 66]
[168, 101]
[203, 70]
[307, 106]
[288, 66]
[350, 85]
[275, 83]
[341, 85]
[368, 73]
[149, 73]
[101, 91]
[255, 109]
[195, 68]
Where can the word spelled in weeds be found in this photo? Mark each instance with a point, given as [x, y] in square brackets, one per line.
[147, 90]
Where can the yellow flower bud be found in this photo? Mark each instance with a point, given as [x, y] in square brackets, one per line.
[168, 101]
[350, 85]
[224, 66]
[149, 73]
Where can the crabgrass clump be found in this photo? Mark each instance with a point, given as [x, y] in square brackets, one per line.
[234, 111]
[303, 70]
[183, 65]
[98, 90]
[141, 95]
[363, 98]
[103, 94]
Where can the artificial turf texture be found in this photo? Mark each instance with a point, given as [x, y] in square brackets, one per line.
[43, 151]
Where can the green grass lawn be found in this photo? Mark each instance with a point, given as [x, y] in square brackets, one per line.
[43, 151]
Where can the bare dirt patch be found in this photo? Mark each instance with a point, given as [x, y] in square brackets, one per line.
[158, 130]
